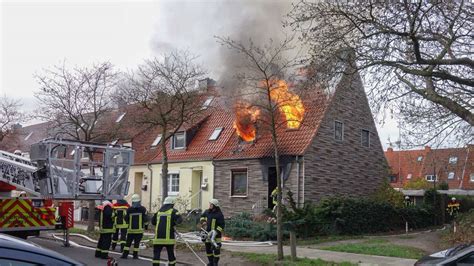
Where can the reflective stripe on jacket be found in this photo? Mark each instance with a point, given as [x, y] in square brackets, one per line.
[120, 212]
[165, 220]
[106, 221]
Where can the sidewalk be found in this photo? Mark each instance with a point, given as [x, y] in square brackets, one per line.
[311, 253]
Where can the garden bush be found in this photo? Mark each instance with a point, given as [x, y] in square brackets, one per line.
[243, 226]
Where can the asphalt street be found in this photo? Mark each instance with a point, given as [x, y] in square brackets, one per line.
[84, 254]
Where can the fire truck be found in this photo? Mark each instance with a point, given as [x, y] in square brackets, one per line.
[37, 193]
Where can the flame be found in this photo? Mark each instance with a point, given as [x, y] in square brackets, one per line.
[289, 103]
[245, 119]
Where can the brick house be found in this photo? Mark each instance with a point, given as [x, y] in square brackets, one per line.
[455, 166]
[336, 151]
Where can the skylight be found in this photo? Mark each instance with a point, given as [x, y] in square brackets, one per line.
[217, 132]
[120, 118]
[114, 142]
[207, 103]
[29, 135]
[156, 141]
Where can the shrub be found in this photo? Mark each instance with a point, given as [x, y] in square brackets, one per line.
[443, 185]
[417, 183]
[243, 226]
[386, 193]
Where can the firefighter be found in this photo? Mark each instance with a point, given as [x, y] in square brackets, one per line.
[137, 219]
[275, 199]
[106, 225]
[121, 226]
[165, 220]
[213, 220]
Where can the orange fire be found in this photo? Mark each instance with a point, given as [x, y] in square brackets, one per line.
[289, 103]
[245, 119]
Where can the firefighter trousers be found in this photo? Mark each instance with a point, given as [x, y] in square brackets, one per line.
[119, 241]
[135, 238]
[213, 253]
[157, 252]
[103, 245]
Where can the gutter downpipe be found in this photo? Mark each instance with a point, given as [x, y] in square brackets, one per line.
[151, 184]
[297, 181]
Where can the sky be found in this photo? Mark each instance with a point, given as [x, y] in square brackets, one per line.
[36, 35]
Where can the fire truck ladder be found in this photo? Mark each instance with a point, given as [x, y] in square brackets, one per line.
[19, 172]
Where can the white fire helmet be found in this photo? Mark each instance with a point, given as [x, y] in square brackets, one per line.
[214, 202]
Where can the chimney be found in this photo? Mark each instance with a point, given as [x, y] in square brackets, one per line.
[390, 149]
[206, 83]
[427, 148]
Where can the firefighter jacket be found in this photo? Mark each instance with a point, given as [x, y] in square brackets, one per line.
[136, 218]
[164, 221]
[106, 221]
[215, 221]
[120, 213]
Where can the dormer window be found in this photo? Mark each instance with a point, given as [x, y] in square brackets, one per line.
[207, 103]
[179, 140]
[217, 132]
[120, 118]
[420, 158]
[156, 141]
[453, 160]
[29, 135]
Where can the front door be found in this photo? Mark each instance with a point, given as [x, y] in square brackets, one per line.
[196, 194]
[272, 184]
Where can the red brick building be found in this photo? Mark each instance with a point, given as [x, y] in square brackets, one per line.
[454, 166]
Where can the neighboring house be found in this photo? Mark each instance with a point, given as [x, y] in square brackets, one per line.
[190, 154]
[335, 152]
[455, 166]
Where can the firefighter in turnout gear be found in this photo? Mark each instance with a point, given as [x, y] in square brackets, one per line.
[136, 218]
[121, 225]
[164, 221]
[212, 220]
[106, 225]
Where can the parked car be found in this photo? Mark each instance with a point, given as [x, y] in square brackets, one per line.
[18, 252]
[462, 255]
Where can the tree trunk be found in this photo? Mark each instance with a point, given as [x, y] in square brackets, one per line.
[164, 167]
[91, 220]
[293, 245]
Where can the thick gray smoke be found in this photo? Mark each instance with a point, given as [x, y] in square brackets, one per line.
[193, 26]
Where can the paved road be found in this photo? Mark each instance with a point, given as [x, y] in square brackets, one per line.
[84, 255]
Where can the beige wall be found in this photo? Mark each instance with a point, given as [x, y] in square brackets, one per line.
[189, 175]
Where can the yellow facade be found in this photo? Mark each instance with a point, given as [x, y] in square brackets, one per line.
[196, 181]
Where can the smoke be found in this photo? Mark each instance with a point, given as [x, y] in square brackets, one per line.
[194, 25]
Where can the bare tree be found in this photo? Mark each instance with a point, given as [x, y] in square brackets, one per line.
[166, 90]
[263, 90]
[9, 115]
[74, 101]
[415, 56]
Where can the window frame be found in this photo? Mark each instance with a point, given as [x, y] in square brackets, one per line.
[170, 183]
[120, 117]
[238, 170]
[471, 177]
[409, 176]
[432, 180]
[454, 161]
[362, 131]
[342, 130]
[207, 103]
[419, 158]
[173, 144]
[453, 175]
[219, 129]
[156, 141]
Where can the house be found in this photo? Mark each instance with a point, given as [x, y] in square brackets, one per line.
[455, 166]
[335, 152]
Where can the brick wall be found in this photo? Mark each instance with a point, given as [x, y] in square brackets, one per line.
[345, 167]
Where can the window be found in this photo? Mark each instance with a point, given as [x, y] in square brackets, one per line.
[471, 177]
[365, 138]
[451, 175]
[409, 176]
[179, 140]
[127, 144]
[338, 130]
[29, 135]
[120, 118]
[431, 178]
[173, 184]
[217, 132]
[238, 185]
[392, 179]
[114, 142]
[453, 160]
[156, 141]
[207, 103]
[420, 158]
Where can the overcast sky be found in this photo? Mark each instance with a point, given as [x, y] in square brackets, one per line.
[39, 34]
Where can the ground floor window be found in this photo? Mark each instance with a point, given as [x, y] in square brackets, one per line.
[173, 184]
[238, 184]
[431, 178]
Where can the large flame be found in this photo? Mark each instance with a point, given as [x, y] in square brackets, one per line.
[245, 119]
[289, 103]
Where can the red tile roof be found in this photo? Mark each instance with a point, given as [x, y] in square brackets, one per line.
[433, 161]
[290, 141]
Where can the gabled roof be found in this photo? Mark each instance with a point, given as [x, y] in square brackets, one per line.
[290, 141]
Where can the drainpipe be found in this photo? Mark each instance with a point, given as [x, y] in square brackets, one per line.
[303, 178]
[297, 181]
[151, 183]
